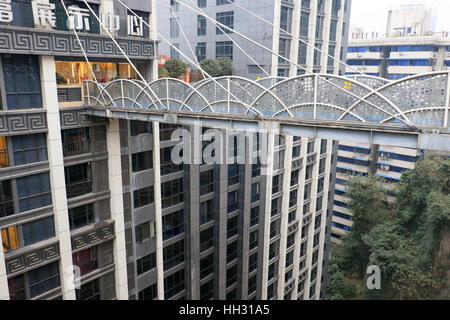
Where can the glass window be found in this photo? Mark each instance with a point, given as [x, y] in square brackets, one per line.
[173, 224]
[206, 239]
[70, 73]
[143, 197]
[75, 141]
[173, 255]
[89, 291]
[4, 159]
[201, 51]
[6, 199]
[29, 149]
[201, 26]
[22, 82]
[172, 193]
[81, 216]
[232, 251]
[174, 28]
[78, 180]
[144, 231]
[34, 192]
[149, 293]
[207, 290]
[224, 49]
[146, 263]
[10, 239]
[142, 161]
[38, 230]
[254, 216]
[206, 182]
[140, 127]
[206, 266]
[44, 279]
[206, 212]
[87, 260]
[173, 284]
[232, 227]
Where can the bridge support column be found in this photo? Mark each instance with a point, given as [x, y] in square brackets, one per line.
[117, 214]
[158, 211]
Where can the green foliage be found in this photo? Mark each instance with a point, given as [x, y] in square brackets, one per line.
[227, 66]
[337, 288]
[162, 72]
[218, 67]
[176, 67]
[212, 67]
[403, 238]
[369, 205]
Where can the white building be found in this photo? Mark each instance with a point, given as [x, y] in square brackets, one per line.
[410, 20]
[323, 23]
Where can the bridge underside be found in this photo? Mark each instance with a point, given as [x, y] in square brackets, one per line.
[391, 135]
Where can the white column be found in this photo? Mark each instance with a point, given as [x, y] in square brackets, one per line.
[4, 292]
[296, 17]
[323, 222]
[326, 37]
[117, 214]
[284, 216]
[311, 36]
[154, 36]
[276, 36]
[267, 208]
[158, 211]
[57, 179]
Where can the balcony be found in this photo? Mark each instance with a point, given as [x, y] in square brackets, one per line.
[71, 149]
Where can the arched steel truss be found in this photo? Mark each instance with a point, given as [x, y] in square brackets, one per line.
[421, 100]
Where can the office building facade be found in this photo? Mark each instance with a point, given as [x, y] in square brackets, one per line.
[399, 57]
[102, 197]
[321, 23]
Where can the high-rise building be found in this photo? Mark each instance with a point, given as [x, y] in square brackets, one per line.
[104, 197]
[356, 159]
[321, 23]
[398, 57]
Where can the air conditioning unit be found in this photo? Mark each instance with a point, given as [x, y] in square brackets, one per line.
[359, 55]
[401, 53]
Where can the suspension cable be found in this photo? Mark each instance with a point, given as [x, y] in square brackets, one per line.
[295, 37]
[257, 112]
[84, 53]
[407, 122]
[184, 36]
[121, 50]
[231, 39]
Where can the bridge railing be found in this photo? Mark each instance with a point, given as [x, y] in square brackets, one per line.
[421, 100]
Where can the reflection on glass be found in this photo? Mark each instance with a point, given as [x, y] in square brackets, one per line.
[73, 73]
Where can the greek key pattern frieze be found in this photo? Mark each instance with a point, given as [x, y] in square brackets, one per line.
[92, 237]
[61, 43]
[12, 122]
[32, 258]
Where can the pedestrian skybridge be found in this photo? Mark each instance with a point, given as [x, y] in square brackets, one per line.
[412, 112]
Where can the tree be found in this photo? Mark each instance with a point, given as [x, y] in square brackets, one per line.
[407, 239]
[337, 288]
[176, 67]
[369, 206]
[212, 67]
[162, 72]
[227, 66]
